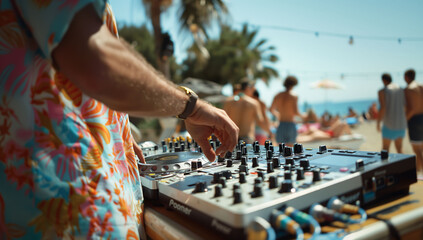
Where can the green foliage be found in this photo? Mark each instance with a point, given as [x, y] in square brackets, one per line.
[143, 42]
[235, 55]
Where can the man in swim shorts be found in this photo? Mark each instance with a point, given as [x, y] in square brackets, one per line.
[391, 113]
[414, 113]
[285, 108]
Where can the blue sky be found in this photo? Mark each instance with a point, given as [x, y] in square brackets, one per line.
[356, 67]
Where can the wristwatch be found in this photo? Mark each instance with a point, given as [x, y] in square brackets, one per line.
[190, 103]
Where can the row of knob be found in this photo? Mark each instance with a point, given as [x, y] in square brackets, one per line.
[286, 186]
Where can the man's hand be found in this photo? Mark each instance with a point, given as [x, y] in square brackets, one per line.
[138, 151]
[207, 120]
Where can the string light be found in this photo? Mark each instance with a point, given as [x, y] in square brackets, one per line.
[350, 37]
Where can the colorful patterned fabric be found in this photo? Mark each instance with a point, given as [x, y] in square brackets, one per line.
[67, 166]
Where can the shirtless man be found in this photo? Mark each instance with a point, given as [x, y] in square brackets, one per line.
[285, 108]
[245, 111]
[261, 135]
[414, 113]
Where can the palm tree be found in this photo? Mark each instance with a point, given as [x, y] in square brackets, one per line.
[195, 16]
[235, 55]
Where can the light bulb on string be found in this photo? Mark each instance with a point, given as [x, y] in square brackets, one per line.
[351, 41]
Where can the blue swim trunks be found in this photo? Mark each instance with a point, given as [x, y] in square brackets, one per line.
[392, 134]
[286, 132]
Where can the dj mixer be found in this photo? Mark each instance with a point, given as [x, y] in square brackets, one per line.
[249, 187]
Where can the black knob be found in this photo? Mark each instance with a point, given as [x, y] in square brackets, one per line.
[194, 165]
[257, 148]
[269, 167]
[200, 187]
[300, 173]
[243, 168]
[182, 147]
[218, 190]
[222, 180]
[216, 177]
[238, 155]
[287, 175]
[322, 148]
[220, 159]
[228, 155]
[242, 177]
[227, 174]
[287, 167]
[281, 148]
[258, 180]
[273, 182]
[267, 144]
[269, 154]
[260, 174]
[229, 163]
[289, 161]
[286, 186]
[255, 162]
[243, 160]
[237, 196]
[199, 164]
[271, 148]
[218, 143]
[287, 151]
[276, 162]
[384, 154]
[359, 165]
[236, 186]
[298, 148]
[305, 164]
[316, 175]
[244, 150]
[178, 149]
[257, 190]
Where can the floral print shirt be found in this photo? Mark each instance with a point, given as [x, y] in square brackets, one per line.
[67, 166]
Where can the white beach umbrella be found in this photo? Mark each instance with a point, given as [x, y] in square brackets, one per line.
[326, 84]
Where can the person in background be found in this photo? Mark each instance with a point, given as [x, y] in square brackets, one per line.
[391, 113]
[373, 112]
[261, 135]
[68, 161]
[285, 108]
[246, 112]
[414, 114]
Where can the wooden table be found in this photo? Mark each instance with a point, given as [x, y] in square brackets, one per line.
[404, 212]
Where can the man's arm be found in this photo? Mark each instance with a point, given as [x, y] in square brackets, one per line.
[382, 108]
[409, 106]
[273, 107]
[108, 70]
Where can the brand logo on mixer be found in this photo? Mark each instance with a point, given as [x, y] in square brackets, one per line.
[220, 227]
[179, 207]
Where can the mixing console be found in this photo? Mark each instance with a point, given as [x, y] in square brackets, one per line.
[251, 189]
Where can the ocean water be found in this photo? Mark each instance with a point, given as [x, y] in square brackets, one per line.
[340, 108]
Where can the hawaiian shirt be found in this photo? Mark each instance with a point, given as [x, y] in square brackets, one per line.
[67, 164]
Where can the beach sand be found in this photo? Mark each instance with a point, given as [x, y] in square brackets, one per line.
[373, 140]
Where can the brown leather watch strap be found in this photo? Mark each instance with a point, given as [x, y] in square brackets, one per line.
[189, 107]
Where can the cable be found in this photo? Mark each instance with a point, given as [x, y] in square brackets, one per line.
[339, 206]
[280, 221]
[260, 229]
[303, 219]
